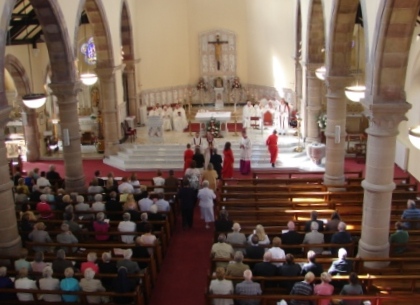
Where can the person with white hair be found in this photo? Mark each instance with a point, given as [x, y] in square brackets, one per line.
[206, 197]
[411, 213]
[314, 237]
[81, 206]
[312, 265]
[23, 282]
[325, 288]
[69, 283]
[277, 252]
[47, 282]
[221, 250]
[291, 237]
[66, 237]
[237, 267]
[341, 266]
[98, 205]
[89, 284]
[90, 263]
[6, 282]
[101, 226]
[248, 287]
[42, 182]
[43, 208]
[127, 226]
[303, 288]
[340, 237]
[132, 267]
[266, 268]
[236, 237]
[125, 186]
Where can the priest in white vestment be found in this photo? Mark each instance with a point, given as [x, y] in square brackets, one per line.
[166, 118]
[245, 157]
[247, 113]
[154, 112]
[179, 118]
[284, 112]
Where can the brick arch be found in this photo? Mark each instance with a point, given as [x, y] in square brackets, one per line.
[57, 39]
[18, 74]
[126, 32]
[103, 43]
[338, 56]
[393, 35]
[316, 35]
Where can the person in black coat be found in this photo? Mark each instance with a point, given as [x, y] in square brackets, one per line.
[312, 265]
[290, 268]
[254, 251]
[314, 217]
[123, 284]
[291, 237]
[217, 161]
[187, 198]
[106, 266]
[141, 252]
[223, 224]
[266, 268]
[113, 205]
[198, 157]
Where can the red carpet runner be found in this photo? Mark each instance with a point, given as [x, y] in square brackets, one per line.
[183, 276]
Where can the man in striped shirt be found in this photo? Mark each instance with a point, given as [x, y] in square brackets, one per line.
[303, 288]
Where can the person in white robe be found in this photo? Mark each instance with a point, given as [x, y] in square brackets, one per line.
[179, 119]
[197, 141]
[154, 112]
[166, 118]
[247, 113]
[159, 109]
[283, 117]
[245, 156]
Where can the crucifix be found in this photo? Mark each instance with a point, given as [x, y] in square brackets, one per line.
[218, 49]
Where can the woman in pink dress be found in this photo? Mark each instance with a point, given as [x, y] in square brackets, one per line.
[325, 288]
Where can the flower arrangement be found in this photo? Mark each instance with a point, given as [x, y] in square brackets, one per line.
[322, 120]
[213, 127]
[236, 83]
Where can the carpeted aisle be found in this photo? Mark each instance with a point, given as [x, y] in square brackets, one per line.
[183, 276]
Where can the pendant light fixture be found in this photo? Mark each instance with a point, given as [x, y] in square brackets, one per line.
[89, 52]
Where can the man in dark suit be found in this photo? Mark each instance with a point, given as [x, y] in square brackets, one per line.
[340, 237]
[314, 217]
[216, 160]
[254, 251]
[292, 238]
[101, 181]
[312, 265]
[341, 266]
[266, 268]
[113, 205]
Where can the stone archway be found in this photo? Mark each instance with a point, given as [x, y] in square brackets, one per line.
[18, 73]
[385, 105]
[314, 59]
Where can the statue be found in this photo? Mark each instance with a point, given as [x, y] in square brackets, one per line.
[218, 50]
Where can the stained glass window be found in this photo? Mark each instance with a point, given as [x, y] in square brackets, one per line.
[89, 50]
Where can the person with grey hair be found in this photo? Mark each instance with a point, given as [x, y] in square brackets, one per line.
[91, 263]
[303, 288]
[266, 268]
[101, 226]
[127, 226]
[341, 266]
[141, 226]
[60, 263]
[237, 238]
[223, 223]
[206, 197]
[98, 205]
[47, 282]
[162, 204]
[39, 235]
[43, 208]
[237, 267]
[81, 206]
[314, 217]
[6, 282]
[23, 282]
[221, 250]
[69, 283]
[94, 187]
[132, 267]
[107, 266]
[312, 265]
[90, 284]
[66, 237]
[325, 288]
[125, 186]
[340, 237]
[248, 287]
[314, 237]
[411, 213]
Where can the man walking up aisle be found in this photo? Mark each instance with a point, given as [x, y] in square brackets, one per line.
[272, 147]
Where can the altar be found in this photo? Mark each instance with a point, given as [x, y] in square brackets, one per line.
[204, 117]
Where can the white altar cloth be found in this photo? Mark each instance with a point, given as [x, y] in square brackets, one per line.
[204, 117]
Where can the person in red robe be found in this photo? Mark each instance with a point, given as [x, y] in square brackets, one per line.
[188, 156]
[227, 169]
[272, 147]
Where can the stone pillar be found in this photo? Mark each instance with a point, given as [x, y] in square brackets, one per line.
[298, 84]
[336, 116]
[10, 242]
[379, 184]
[32, 137]
[313, 102]
[66, 94]
[130, 72]
[108, 106]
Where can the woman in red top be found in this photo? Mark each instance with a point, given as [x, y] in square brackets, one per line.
[188, 156]
[227, 170]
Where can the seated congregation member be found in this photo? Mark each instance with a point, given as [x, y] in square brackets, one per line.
[90, 263]
[23, 282]
[53, 177]
[6, 282]
[332, 224]
[147, 238]
[139, 251]
[60, 263]
[266, 269]
[248, 287]
[352, 288]
[47, 282]
[312, 265]
[22, 262]
[114, 206]
[132, 267]
[236, 267]
[206, 198]
[66, 237]
[289, 268]
[107, 266]
[221, 286]
[223, 223]
[141, 226]
[111, 185]
[130, 207]
[399, 237]
[341, 266]
[94, 187]
[314, 237]
[303, 288]
[260, 233]
[98, 205]
[38, 264]
[127, 226]
[69, 283]
[145, 203]
[90, 284]
[236, 237]
[134, 181]
[36, 193]
[254, 250]
[171, 182]
[82, 206]
[73, 225]
[411, 213]
[158, 181]
[162, 204]
[123, 284]
[101, 226]
[340, 237]
[314, 217]
[125, 186]
[43, 208]
[325, 288]
[154, 215]
[39, 235]
[277, 252]
[221, 250]
[42, 182]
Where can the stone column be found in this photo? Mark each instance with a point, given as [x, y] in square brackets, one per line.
[336, 116]
[298, 84]
[10, 242]
[108, 106]
[66, 94]
[313, 102]
[130, 72]
[32, 137]
[379, 184]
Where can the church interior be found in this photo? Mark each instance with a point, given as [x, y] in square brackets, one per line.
[124, 85]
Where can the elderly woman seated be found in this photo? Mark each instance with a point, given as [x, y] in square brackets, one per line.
[91, 263]
[22, 262]
[260, 233]
[132, 267]
[221, 286]
[81, 206]
[38, 264]
[69, 283]
[147, 238]
[89, 284]
[47, 282]
[66, 237]
[101, 226]
[23, 282]
[6, 282]
[39, 235]
[98, 205]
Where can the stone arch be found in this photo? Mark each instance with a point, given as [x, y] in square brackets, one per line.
[18, 73]
[393, 35]
[126, 32]
[316, 33]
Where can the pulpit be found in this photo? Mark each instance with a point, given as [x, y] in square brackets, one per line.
[316, 151]
[268, 118]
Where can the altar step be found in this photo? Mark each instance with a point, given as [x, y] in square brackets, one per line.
[137, 157]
